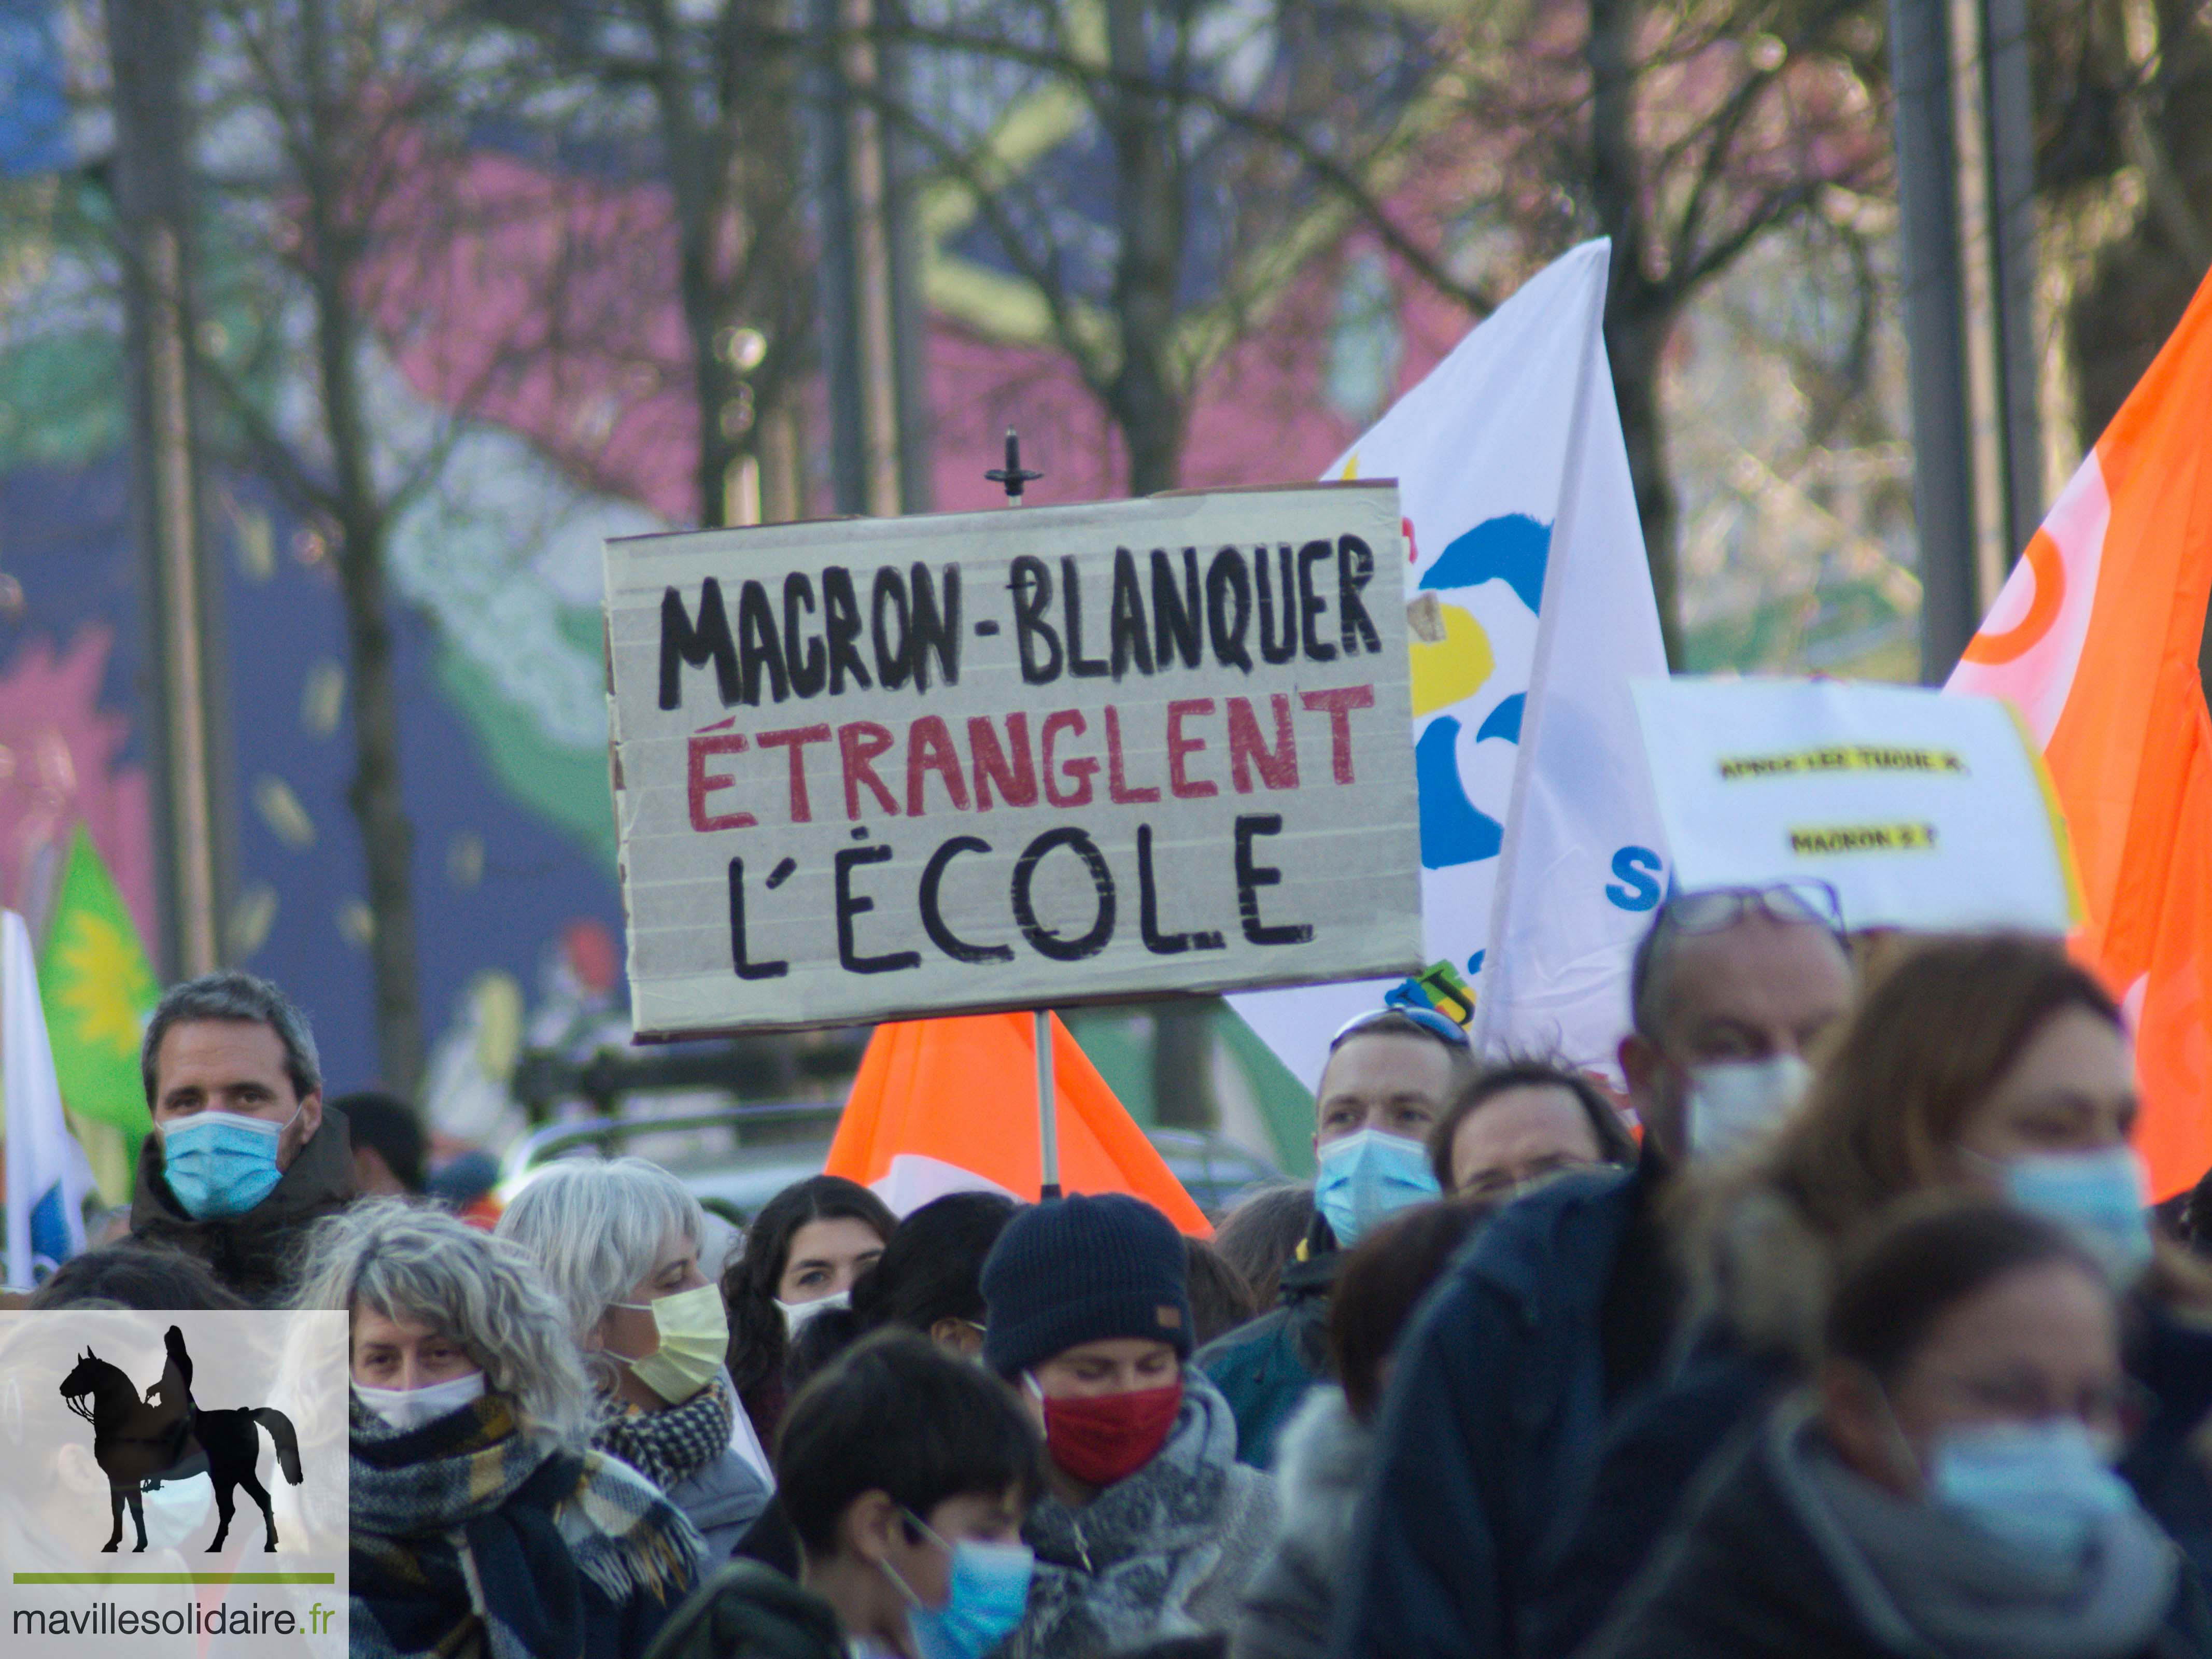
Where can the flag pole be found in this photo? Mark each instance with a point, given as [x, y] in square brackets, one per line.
[1014, 477]
[1048, 1120]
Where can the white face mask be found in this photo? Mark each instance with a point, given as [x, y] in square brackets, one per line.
[796, 1314]
[410, 1408]
[1732, 1101]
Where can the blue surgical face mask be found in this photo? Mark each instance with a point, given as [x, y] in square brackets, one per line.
[2098, 1198]
[1369, 1177]
[2041, 1488]
[987, 1594]
[220, 1163]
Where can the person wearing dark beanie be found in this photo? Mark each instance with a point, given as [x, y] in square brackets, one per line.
[1080, 1269]
[1088, 1315]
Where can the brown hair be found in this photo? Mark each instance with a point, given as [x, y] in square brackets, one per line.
[1615, 1144]
[1939, 1026]
[1261, 1235]
[1933, 1036]
[1383, 1279]
[1220, 1298]
[757, 1339]
[1925, 1259]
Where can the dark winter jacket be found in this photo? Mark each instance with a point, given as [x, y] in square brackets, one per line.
[256, 1254]
[1490, 1431]
[1761, 1568]
[770, 1541]
[1657, 1444]
[1654, 1450]
[1266, 1366]
[745, 1611]
[2173, 1359]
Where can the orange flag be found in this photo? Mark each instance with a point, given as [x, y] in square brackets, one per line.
[949, 1105]
[2094, 640]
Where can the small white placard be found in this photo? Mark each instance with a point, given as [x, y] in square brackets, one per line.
[1923, 810]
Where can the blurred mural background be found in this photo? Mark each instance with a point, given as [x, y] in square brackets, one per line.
[462, 289]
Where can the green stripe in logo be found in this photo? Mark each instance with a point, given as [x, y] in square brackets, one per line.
[176, 1578]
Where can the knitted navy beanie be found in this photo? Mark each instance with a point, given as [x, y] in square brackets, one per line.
[1078, 1270]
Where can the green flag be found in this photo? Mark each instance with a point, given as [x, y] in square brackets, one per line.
[97, 989]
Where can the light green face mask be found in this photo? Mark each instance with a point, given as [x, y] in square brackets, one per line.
[694, 1336]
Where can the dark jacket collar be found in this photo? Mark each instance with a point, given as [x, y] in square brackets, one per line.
[250, 1252]
[1553, 1251]
[1309, 1279]
[1311, 1274]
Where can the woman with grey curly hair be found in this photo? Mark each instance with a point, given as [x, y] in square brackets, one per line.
[482, 1521]
[618, 1240]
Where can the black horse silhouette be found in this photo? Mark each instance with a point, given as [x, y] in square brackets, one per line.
[139, 1443]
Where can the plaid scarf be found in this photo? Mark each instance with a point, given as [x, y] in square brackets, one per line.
[670, 1446]
[470, 1536]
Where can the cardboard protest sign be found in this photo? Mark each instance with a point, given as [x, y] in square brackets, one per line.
[1922, 811]
[869, 769]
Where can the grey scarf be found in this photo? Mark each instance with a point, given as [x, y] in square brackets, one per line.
[1118, 1571]
[1927, 1582]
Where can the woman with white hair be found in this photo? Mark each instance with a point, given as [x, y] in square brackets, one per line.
[618, 1240]
[484, 1524]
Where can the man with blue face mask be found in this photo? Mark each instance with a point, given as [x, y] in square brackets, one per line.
[1391, 1073]
[1565, 1306]
[243, 1157]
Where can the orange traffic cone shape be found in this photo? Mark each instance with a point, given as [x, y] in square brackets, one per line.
[2094, 640]
[949, 1105]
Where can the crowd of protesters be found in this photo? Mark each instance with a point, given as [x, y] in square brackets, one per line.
[1845, 1331]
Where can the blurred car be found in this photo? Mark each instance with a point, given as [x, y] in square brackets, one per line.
[736, 1159]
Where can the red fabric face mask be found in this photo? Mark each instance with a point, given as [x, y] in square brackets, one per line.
[1108, 1437]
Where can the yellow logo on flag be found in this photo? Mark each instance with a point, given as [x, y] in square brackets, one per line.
[103, 985]
[98, 989]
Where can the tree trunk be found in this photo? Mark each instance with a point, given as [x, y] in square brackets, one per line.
[1143, 397]
[715, 385]
[378, 806]
[1183, 1063]
[1148, 410]
[150, 42]
[700, 206]
[1636, 343]
[1638, 315]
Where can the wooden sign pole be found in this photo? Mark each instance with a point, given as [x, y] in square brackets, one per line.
[1014, 477]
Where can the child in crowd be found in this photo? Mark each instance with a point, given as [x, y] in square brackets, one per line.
[906, 1474]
